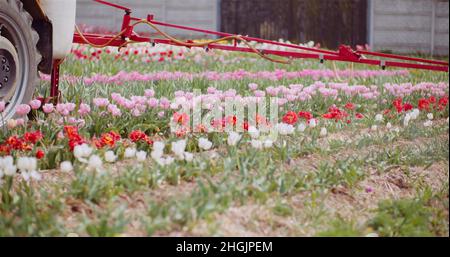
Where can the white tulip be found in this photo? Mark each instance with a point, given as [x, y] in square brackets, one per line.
[379, 117]
[188, 156]
[141, 156]
[169, 160]
[430, 116]
[428, 123]
[323, 132]
[158, 146]
[301, 127]
[233, 138]
[10, 170]
[6, 161]
[82, 152]
[406, 120]
[257, 144]
[110, 157]
[204, 143]
[25, 175]
[414, 114]
[268, 144]
[130, 153]
[7, 167]
[11, 123]
[35, 175]
[66, 166]
[160, 161]
[254, 132]
[95, 163]
[285, 129]
[27, 163]
[178, 148]
[156, 154]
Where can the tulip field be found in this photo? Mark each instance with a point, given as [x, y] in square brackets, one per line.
[353, 150]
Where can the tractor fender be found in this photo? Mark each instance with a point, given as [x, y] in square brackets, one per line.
[62, 14]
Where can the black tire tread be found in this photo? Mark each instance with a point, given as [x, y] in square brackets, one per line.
[17, 5]
[29, 20]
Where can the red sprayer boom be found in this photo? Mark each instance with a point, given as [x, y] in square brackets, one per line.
[344, 54]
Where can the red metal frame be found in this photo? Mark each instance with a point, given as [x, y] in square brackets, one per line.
[54, 90]
[344, 54]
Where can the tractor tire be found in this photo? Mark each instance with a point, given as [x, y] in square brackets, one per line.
[16, 31]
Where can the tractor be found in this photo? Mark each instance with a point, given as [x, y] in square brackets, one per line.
[32, 35]
[36, 35]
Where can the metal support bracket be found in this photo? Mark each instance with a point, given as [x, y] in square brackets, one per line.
[322, 58]
[383, 64]
[54, 90]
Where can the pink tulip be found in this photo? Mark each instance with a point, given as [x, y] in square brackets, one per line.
[81, 123]
[123, 77]
[84, 109]
[35, 104]
[211, 90]
[138, 100]
[72, 120]
[100, 102]
[164, 103]
[141, 107]
[128, 104]
[259, 93]
[272, 91]
[23, 109]
[116, 97]
[136, 112]
[48, 108]
[20, 122]
[230, 93]
[70, 107]
[179, 93]
[152, 102]
[149, 93]
[114, 110]
[62, 109]
[253, 86]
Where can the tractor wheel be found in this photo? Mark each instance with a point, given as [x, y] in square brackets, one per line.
[19, 57]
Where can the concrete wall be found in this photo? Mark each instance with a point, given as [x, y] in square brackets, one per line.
[409, 26]
[196, 13]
